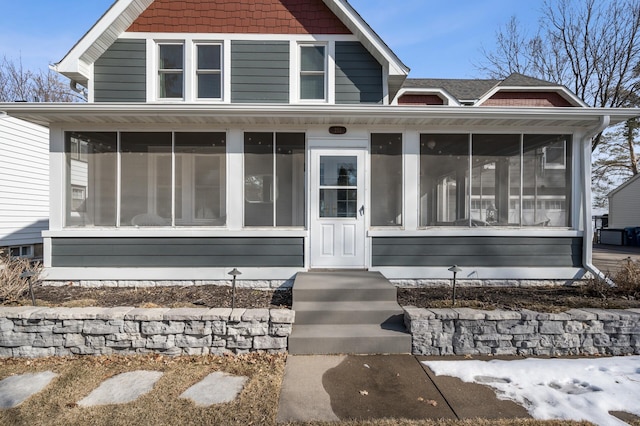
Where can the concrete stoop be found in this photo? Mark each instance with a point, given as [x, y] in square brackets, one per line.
[347, 312]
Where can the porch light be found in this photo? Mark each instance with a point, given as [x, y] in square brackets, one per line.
[234, 272]
[455, 270]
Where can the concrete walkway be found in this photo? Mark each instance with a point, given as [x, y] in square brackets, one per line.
[325, 388]
[608, 258]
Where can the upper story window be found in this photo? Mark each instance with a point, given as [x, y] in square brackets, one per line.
[209, 71]
[188, 70]
[313, 72]
[171, 71]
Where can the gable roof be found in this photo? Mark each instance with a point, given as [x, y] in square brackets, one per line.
[477, 91]
[77, 63]
[624, 185]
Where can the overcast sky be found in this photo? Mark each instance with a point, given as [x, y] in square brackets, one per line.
[434, 38]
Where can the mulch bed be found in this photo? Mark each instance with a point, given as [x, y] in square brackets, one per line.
[542, 299]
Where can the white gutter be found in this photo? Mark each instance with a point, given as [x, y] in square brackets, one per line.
[587, 246]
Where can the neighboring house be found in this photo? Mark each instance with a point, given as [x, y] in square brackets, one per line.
[281, 136]
[24, 186]
[624, 205]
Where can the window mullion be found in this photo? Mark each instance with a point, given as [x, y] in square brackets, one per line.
[173, 179]
[273, 186]
[118, 179]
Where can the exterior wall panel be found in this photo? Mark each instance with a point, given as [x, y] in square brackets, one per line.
[120, 73]
[24, 182]
[477, 251]
[178, 252]
[624, 205]
[259, 72]
[358, 75]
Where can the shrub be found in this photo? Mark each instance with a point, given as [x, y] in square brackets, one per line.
[627, 278]
[12, 287]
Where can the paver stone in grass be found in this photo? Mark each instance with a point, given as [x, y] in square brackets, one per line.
[123, 388]
[15, 390]
[216, 388]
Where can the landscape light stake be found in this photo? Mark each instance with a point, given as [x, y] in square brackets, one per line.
[455, 270]
[234, 272]
[28, 275]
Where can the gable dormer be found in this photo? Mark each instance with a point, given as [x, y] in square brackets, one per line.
[223, 51]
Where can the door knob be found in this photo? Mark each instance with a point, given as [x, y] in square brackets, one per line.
[361, 210]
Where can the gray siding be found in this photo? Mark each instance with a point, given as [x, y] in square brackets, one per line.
[358, 75]
[259, 72]
[120, 73]
[477, 251]
[177, 252]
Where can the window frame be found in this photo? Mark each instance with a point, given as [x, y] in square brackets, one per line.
[325, 73]
[160, 71]
[190, 69]
[197, 71]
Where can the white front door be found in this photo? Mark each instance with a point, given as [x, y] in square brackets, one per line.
[337, 208]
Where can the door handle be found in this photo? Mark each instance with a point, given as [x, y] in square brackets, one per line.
[361, 210]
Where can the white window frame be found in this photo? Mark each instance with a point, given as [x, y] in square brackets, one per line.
[197, 71]
[189, 70]
[329, 72]
[26, 251]
[559, 166]
[159, 71]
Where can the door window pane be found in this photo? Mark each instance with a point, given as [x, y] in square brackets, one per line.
[91, 179]
[386, 179]
[495, 180]
[444, 178]
[338, 186]
[546, 191]
[200, 179]
[146, 179]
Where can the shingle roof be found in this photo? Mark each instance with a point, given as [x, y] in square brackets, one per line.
[458, 88]
[521, 80]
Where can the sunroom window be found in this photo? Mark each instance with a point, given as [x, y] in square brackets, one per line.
[274, 179]
[164, 179]
[485, 180]
[171, 71]
[313, 64]
[386, 179]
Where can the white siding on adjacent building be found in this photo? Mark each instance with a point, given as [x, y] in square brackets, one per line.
[24, 182]
[624, 204]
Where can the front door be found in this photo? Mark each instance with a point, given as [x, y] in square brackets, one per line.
[337, 209]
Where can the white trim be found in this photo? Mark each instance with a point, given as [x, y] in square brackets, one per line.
[168, 232]
[240, 37]
[411, 182]
[482, 273]
[329, 72]
[477, 232]
[166, 274]
[560, 90]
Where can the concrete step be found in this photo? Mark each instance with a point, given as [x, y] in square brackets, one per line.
[363, 312]
[349, 339]
[342, 286]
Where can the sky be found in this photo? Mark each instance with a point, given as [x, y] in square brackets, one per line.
[435, 38]
[569, 389]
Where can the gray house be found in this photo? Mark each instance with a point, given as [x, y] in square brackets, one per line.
[287, 136]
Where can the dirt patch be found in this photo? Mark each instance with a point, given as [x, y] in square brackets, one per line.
[541, 299]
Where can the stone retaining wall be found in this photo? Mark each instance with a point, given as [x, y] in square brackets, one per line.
[465, 331]
[37, 332]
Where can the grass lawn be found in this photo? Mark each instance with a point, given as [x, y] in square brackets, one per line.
[256, 405]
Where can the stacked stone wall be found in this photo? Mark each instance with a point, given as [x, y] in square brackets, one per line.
[473, 332]
[38, 332]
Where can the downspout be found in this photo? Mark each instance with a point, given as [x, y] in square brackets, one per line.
[587, 247]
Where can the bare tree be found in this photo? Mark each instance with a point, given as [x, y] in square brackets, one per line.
[19, 84]
[593, 48]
